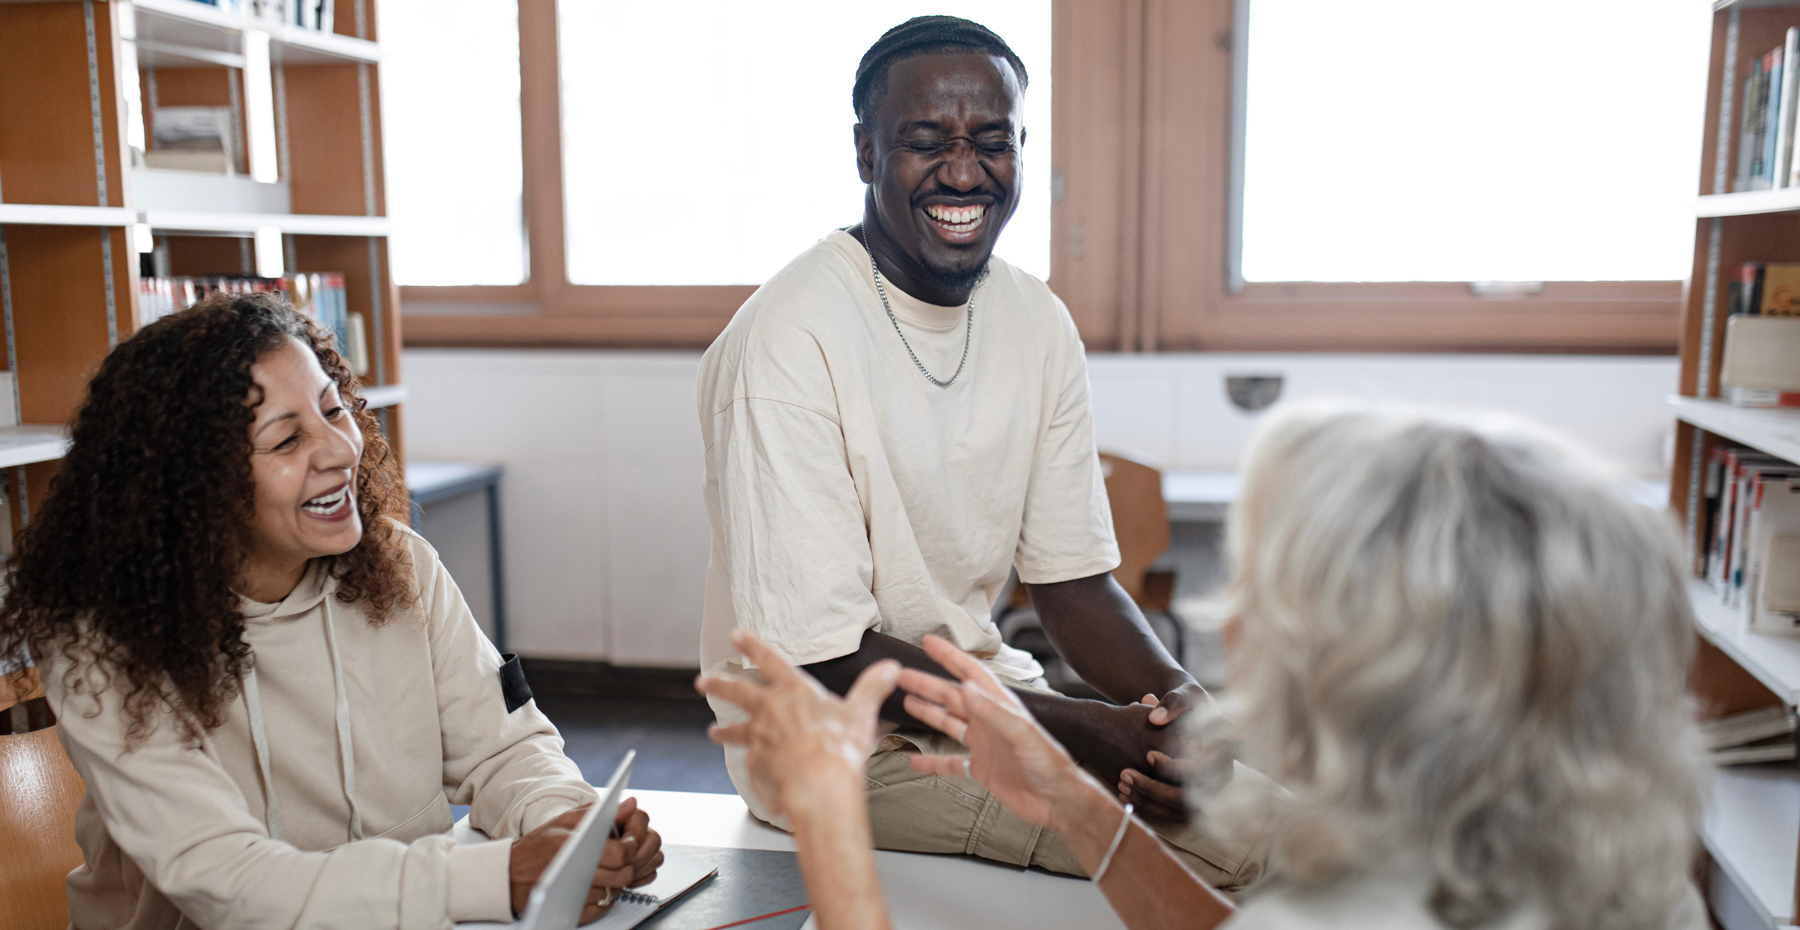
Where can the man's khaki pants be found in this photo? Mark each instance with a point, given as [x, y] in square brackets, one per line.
[915, 812]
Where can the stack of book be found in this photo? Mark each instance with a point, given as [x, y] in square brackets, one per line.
[1752, 517]
[1762, 735]
[1761, 364]
[318, 295]
[1766, 132]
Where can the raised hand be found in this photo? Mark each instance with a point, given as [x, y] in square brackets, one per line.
[798, 732]
[1009, 753]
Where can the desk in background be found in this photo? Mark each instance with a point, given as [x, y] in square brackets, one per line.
[1204, 496]
[437, 482]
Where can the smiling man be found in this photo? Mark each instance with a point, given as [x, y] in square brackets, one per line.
[898, 419]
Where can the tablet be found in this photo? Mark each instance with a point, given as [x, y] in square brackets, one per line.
[561, 890]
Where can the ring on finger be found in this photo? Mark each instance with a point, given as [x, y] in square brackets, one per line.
[967, 771]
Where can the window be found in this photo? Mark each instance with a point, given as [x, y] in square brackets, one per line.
[1418, 140]
[450, 109]
[708, 143]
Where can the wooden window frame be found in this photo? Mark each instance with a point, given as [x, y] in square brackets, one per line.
[1141, 159]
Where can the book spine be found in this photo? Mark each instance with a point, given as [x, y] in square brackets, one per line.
[1747, 127]
[1772, 119]
[1759, 162]
[1790, 89]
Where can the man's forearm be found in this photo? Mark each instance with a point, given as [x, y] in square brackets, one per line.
[1081, 725]
[1103, 636]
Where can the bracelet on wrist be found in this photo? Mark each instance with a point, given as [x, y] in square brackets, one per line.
[1119, 837]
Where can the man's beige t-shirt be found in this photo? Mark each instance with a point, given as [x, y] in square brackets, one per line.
[847, 493]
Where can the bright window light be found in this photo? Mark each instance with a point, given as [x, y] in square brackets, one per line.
[1419, 140]
[450, 113]
[709, 141]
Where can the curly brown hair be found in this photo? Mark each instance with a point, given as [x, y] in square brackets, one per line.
[129, 565]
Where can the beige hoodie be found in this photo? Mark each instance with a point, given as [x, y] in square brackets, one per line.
[169, 831]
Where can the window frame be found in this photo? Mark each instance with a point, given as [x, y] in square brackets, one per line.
[1139, 228]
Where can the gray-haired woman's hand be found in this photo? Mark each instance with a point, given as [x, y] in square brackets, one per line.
[1009, 753]
[798, 733]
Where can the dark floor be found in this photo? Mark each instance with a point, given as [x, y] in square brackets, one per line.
[668, 734]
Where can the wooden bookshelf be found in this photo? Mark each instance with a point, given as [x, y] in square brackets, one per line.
[1752, 827]
[75, 200]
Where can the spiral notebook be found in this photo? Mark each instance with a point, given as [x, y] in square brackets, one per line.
[675, 878]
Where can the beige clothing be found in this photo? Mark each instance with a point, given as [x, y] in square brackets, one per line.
[915, 812]
[846, 493]
[168, 830]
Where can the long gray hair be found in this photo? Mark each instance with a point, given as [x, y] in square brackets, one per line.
[1462, 645]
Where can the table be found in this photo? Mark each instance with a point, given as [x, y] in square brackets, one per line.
[1199, 496]
[427, 482]
[924, 892]
[1204, 496]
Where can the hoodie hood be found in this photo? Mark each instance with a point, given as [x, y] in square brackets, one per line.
[317, 584]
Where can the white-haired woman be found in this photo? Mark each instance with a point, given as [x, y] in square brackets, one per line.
[1455, 643]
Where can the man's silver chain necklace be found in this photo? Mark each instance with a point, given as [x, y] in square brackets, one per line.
[968, 332]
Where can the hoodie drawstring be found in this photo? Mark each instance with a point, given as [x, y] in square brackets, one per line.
[260, 740]
[346, 750]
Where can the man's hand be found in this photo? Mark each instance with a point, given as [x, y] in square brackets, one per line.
[1109, 739]
[629, 861]
[1156, 789]
[798, 732]
[1154, 785]
[1177, 702]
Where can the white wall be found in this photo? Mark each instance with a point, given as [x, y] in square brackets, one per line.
[606, 534]
[604, 530]
[1173, 407]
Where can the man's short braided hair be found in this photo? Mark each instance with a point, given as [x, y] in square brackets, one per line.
[924, 35]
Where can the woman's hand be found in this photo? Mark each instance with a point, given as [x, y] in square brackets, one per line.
[630, 860]
[798, 733]
[1009, 753]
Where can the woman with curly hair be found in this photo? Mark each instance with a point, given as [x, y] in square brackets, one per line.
[270, 684]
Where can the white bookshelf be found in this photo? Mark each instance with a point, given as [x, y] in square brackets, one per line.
[1750, 4]
[1746, 203]
[23, 445]
[171, 33]
[1776, 432]
[163, 190]
[1774, 660]
[1749, 829]
[384, 395]
[42, 214]
[245, 224]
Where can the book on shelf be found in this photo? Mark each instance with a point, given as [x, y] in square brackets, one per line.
[1761, 359]
[1766, 128]
[319, 295]
[1765, 734]
[1752, 526]
[192, 139]
[306, 14]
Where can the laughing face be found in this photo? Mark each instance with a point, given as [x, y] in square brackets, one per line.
[940, 154]
[305, 446]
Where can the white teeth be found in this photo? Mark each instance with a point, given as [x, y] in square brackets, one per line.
[327, 504]
[959, 219]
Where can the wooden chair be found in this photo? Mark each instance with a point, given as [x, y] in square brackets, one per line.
[1141, 526]
[39, 791]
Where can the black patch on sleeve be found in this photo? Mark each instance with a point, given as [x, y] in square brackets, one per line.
[512, 683]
